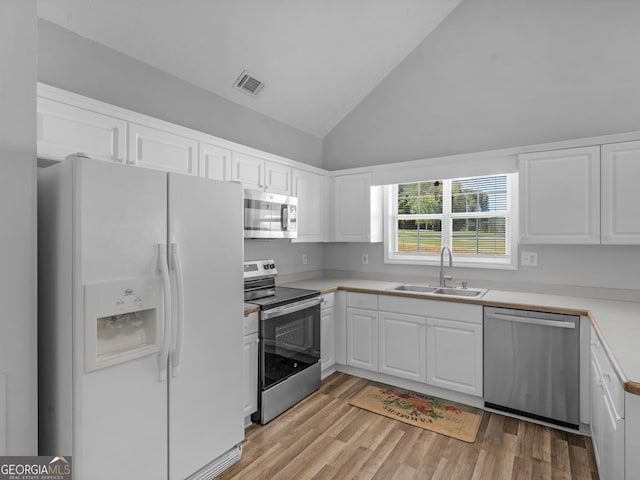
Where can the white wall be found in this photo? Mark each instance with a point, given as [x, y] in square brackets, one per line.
[18, 368]
[497, 74]
[74, 63]
[288, 256]
[582, 266]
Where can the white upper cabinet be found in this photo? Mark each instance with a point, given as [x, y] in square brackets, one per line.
[260, 174]
[160, 150]
[248, 170]
[620, 176]
[278, 178]
[214, 162]
[64, 129]
[357, 209]
[560, 196]
[314, 205]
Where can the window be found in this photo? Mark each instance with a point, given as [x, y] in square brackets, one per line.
[472, 216]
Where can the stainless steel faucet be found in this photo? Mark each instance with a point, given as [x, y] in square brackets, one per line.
[443, 277]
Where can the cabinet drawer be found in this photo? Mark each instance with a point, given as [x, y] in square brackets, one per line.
[327, 301]
[362, 300]
[431, 308]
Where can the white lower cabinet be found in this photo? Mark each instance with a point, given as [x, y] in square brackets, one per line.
[402, 345]
[607, 415]
[454, 355]
[250, 364]
[362, 338]
[362, 331]
[327, 333]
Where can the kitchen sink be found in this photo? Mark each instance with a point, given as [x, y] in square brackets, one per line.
[441, 291]
[460, 292]
[416, 288]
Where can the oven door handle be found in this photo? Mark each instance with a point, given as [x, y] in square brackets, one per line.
[291, 308]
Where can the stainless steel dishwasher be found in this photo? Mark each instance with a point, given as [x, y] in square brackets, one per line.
[532, 364]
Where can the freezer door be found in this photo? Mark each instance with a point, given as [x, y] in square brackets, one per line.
[119, 411]
[205, 387]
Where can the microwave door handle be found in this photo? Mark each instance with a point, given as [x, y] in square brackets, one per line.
[284, 217]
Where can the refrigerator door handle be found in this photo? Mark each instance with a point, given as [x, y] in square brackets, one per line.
[176, 352]
[163, 356]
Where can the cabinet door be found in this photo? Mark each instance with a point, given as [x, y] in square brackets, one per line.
[63, 130]
[560, 196]
[160, 150]
[250, 361]
[356, 209]
[620, 174]
[613, 443]
[454, 355]
[362, 338]
[327, 339]
[214, 162]
[313, 192]
[277, 178]
[402, 345]
[597, 413]
[248, 170]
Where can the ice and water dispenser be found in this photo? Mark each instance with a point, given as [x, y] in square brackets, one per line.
[122, 321]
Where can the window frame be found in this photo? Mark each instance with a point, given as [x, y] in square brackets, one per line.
[508, 262]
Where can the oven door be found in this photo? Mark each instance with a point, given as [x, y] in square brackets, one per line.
[289, 340]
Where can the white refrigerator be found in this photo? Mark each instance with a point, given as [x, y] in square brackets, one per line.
[140, 321]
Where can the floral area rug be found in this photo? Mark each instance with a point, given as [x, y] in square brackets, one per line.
[440, 416]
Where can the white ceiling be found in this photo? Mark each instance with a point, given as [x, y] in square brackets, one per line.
[317, 58]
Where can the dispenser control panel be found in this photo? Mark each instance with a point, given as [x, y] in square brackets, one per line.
[122, 321]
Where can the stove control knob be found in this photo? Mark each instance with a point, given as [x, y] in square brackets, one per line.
[273, 265]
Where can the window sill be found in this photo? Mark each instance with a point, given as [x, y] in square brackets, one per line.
[487, 263]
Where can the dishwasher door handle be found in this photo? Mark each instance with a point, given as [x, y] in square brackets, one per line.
[531, 321]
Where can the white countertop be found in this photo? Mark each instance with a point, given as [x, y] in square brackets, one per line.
[617, 322]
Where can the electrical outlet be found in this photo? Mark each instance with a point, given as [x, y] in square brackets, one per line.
[365, 259]
[529, 259]
[304, 259]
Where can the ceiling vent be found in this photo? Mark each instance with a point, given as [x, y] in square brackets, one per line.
[248, 84]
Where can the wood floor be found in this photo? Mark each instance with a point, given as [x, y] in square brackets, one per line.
[323, 437]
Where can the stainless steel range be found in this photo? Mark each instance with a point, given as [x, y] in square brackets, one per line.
[289, 348]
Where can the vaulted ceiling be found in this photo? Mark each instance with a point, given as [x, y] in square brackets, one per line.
[317, 58]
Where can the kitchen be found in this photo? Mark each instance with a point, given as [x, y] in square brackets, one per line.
[587, 102]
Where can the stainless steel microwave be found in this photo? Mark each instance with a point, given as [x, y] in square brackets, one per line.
[269, 215]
